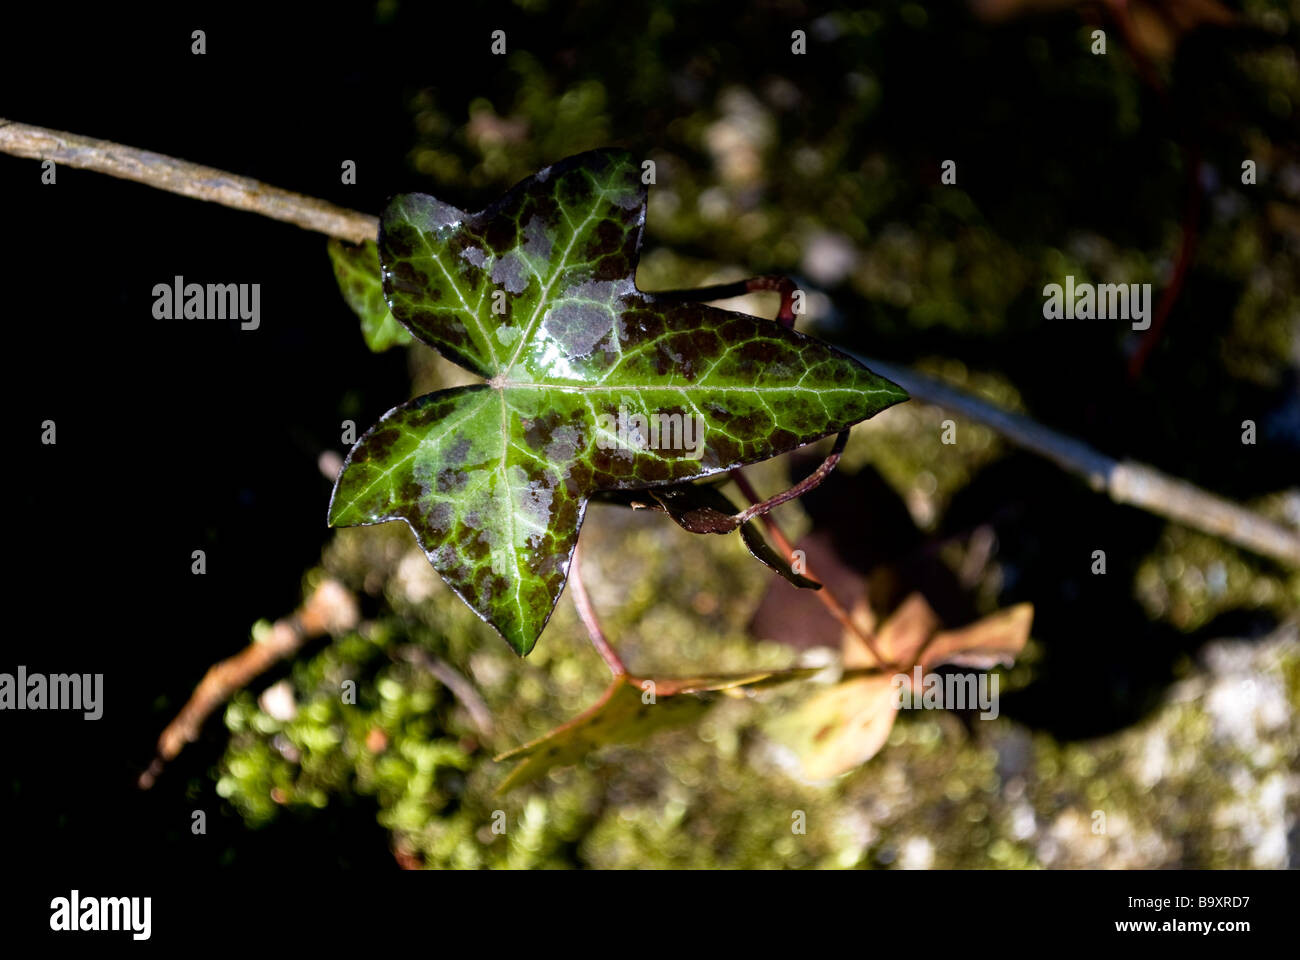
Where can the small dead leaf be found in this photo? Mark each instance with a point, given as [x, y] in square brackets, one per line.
[989, 642]
[840, 728]
[623, 715]
[871, 557]
[899, 640]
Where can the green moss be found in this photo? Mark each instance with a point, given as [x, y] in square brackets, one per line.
[1172, 790]
[747, 180]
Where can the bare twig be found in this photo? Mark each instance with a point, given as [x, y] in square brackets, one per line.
[330, 609]
[459, 685]
[588, 615]
[187, 179]
[1124, 481]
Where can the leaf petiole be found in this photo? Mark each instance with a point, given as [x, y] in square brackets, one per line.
[588, 614]
[723, 291]
[809, 482]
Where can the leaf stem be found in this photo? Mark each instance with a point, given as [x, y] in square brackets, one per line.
[588, 614]
[828, 599]
[722, 291]
[813, 479]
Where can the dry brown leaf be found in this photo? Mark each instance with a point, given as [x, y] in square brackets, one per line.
[840, 728]
[630, 709]
[989, 642]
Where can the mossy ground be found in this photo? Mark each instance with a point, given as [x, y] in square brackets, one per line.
[1137, 730]
[1206, 779]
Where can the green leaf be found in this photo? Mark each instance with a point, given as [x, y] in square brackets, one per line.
[626, 712]
[591, 384]
[356, 268]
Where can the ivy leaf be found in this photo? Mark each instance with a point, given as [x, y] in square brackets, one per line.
[623, 715]
[356, 268]
[591, 384]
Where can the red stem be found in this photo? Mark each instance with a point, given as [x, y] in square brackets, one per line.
[813, 479]
[828, 599]
[1186, 253]
[588, 615]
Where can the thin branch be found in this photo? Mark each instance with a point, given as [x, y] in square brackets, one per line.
[1187, 243]
[828, 599]
[1120, 11]
[588, 614]
[1124, 481]
[813, 479]
[187, 179]
[459, 685]
[330, 609]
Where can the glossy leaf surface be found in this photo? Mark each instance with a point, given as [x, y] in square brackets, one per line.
[591, 384]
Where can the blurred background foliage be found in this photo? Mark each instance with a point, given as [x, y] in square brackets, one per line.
[1162, 696]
